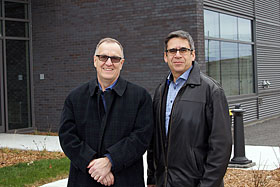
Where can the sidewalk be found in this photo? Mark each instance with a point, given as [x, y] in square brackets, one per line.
[30, 142]
[265, 157]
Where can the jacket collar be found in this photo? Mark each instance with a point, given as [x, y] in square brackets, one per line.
[194, 77]
[119, 88]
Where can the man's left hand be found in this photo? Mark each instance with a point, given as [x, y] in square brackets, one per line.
[99, 168]
[108, 180]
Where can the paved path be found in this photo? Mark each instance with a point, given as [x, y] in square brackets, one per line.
[30, 142]
[266, 133]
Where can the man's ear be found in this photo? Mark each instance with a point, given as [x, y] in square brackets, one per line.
[121, 63]
[165, 57]
[193, 55]
[94, 61]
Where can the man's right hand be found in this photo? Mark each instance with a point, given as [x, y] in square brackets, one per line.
[152, 185]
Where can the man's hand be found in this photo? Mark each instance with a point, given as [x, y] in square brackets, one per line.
[152, 185]
[108, 180]
[99, 168]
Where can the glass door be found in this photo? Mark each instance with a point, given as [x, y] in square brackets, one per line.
[1, 114]
[2, 126]
[16, 51]
[2, 129]
[18, 84]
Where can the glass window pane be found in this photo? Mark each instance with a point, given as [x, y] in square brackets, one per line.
[18, 89]
[1, 30]
[212, 53]
[229, 67]
[211, 24]
[18, 29]
[244, 30]
[1, 125]
[228, 27]
[1, 89]
[1, 8]
[246, 69]
[16, 10]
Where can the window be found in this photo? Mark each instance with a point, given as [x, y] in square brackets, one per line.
[229, 52]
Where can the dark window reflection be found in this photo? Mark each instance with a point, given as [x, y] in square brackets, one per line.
[244, 30]
[212, 51]
[229, 68]
[17, 29]
[1, 8]
[246, 69]
[0, 107]
[228, 27]
[16, 10]
[18, 84]
[211, 24]
[1, 30]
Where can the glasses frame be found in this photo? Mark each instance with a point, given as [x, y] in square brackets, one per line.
[114, 59]
[182, 51]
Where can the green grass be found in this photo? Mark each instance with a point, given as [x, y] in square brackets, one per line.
[23, 174]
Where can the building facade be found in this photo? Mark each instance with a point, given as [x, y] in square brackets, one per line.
[46, 50]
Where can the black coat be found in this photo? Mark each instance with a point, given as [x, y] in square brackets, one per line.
[124, 131]
[197, 148]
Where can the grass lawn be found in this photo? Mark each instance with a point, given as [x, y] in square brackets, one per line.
[34, 173]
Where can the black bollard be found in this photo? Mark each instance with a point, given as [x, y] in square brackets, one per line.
[239, 157]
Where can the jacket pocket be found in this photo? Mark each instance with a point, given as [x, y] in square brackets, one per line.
[198, 164]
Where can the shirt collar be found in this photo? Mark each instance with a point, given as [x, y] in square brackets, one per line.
[108, 88]
[184, 76]
[119, 87]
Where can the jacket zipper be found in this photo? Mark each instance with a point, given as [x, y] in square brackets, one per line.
[160, 122]
[169, 132]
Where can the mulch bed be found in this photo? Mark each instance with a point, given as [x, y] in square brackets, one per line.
[252, 178]
[10, 157]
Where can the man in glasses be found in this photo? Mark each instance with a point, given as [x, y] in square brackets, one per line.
[106, 125]
[191, 144]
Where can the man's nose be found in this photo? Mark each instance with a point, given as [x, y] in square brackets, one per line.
[109, 61]
[178, 54]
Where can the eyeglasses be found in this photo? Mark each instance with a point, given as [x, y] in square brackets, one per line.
[104, 58]
[182, 50]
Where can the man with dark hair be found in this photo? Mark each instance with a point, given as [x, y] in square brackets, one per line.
[106, 125]
[191, 144]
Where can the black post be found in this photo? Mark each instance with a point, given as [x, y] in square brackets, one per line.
[239, 144]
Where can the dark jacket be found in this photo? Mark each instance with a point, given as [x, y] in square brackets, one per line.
[197, 148]
[124, 131]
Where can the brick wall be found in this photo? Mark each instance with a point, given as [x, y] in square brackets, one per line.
[65, 34]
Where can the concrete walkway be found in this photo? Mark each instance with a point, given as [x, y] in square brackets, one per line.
[265, 157]
[30, 142]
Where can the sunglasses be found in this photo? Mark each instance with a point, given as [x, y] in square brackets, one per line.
[104, 58]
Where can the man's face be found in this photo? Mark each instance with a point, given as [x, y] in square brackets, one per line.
[108, 71]
[179, 62]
